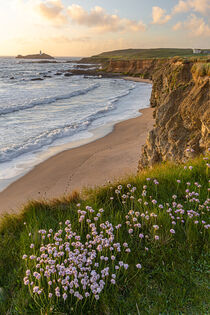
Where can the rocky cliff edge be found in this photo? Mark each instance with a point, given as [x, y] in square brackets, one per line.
[181, 97]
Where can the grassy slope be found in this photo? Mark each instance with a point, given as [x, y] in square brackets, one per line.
[173, 278]
[146, 53]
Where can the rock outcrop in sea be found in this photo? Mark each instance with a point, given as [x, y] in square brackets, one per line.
[35, 56]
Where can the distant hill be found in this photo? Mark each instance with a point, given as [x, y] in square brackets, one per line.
[35, 56]
[145, 53]
[134, 54]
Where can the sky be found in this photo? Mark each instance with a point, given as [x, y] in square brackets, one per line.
[88, 27]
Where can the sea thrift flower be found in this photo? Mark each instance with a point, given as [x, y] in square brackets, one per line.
[126, 266]
[65, 296]
[172, 231]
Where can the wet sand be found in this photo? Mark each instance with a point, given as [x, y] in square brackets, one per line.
[137, 79]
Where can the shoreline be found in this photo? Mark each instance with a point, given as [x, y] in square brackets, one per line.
[22, 167]
[82, 166]
[135, 79]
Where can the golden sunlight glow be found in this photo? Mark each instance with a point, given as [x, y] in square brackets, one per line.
[68, 29]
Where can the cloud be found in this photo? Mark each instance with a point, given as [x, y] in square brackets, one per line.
[52, 10]
[177, 26]
[65, 39]
[159, 16]
[182, 6]
[101, 21]
[201, 6]
[195, 25]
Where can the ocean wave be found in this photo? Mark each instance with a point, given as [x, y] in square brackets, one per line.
[50, 136]
[47, 100]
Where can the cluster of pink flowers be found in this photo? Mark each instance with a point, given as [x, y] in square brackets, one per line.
[64, 265]
[178, 213]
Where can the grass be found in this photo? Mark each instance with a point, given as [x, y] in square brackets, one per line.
[201, 69]
[174, 274]
[147, 53]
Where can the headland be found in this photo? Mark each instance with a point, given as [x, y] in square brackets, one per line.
[35, 56]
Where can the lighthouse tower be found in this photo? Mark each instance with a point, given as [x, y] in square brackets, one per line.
[40, 52]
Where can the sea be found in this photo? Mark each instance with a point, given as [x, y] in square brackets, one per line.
[40, 118]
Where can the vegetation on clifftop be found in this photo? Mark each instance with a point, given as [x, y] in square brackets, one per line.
[201, 69]
[161, 216]
[135, 54]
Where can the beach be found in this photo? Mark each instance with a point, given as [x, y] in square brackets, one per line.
[108, 158]
[137, 79]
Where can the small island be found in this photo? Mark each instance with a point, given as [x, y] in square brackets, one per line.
[36, 56]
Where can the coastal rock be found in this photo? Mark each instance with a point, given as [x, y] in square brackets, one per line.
[181, 98]
[182, 114]
[94, 72]
[37, 79]
[35, 56]
[143, 68]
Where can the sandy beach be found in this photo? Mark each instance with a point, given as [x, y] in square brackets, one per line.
[137, 79]
[107, 158]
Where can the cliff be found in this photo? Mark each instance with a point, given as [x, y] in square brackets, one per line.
[36, 56]
[143, 68]
[181, 97]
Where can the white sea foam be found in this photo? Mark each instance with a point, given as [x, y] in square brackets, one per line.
[47, 100]
[48, 137]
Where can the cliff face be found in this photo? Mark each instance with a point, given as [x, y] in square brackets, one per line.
[181, 98]
[143, 68]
